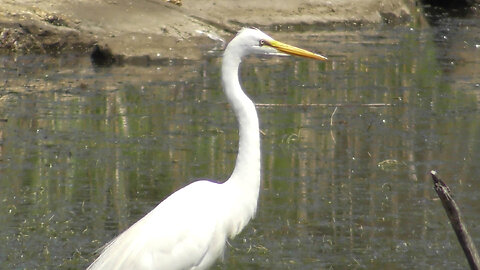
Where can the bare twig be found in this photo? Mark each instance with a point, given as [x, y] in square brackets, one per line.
[453, 213]
[331, 116]
[331, 125]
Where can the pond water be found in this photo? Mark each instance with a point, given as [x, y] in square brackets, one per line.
[347, 147]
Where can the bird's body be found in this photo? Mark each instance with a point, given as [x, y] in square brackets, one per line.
[189, 229]
[187, 239]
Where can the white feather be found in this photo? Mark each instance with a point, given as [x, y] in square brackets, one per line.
[189, 229]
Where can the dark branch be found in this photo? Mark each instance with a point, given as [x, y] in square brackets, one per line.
[453, 213]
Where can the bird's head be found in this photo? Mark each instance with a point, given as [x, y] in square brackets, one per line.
[253, 41]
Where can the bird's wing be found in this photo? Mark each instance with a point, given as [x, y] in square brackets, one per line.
[180, 233]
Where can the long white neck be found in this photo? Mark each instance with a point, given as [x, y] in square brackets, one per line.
[246, 175]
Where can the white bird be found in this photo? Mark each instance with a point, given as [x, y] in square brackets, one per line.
[189, 229]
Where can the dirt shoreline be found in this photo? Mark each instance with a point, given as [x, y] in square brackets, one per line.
[156, 29]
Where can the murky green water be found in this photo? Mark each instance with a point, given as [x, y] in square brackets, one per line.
[85, 152]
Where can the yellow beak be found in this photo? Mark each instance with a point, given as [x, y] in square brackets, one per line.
[292, 50]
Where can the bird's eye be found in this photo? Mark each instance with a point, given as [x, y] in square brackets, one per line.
[261, 43]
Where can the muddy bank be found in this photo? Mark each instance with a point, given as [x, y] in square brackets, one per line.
[146, 30]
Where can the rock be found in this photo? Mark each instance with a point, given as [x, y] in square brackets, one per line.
[160, 29]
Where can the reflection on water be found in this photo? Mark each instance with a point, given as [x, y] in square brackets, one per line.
[85, 152]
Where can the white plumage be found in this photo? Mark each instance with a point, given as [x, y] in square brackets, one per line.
[189, 229]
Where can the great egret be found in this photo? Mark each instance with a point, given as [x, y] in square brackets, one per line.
[189, 229]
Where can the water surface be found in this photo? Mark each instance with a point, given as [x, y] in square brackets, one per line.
[346, 147]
